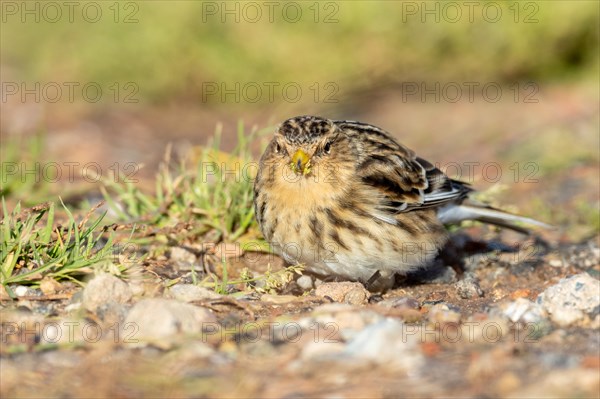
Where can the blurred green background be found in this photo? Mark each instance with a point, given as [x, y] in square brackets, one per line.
[169, 48]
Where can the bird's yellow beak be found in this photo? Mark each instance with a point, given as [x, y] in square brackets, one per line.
[300, 162]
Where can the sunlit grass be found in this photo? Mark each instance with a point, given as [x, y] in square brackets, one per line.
[208, 185]
[33, 246]
[205, 195]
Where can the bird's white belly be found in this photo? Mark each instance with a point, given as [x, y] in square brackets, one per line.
[363, 258]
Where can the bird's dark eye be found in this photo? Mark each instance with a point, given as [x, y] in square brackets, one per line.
[327, 147]
[277, 147]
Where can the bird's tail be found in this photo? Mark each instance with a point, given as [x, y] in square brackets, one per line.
[453, 214]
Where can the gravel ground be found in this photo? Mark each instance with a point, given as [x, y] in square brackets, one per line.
[508, 324]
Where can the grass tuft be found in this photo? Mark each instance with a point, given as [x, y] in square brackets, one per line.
[33, 247]
[209, 186]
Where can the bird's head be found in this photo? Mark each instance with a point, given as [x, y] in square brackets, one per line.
[309, 147]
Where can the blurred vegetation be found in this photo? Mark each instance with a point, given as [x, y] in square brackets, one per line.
[176, 45]
[562, 148]
[14, 154]
[209, 185]
[205, 195]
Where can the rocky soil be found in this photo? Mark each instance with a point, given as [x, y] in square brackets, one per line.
[502, 322]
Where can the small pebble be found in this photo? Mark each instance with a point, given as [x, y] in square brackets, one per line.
[104, 289]
[184, 259]
[341, 318]
[387, 342]
[305, 282]
[49, 286]
[468, 287]
[400, 303]
[524, 310]
[347, 292]
[21, 290]
[356, 296]
[573, 300]
[444, 313]
[159, 318]
[278, 299]
[191, 292]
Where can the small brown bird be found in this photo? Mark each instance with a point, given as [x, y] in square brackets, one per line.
[348, 201]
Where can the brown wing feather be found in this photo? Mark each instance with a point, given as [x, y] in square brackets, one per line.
[441, 189]
[407, 181]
